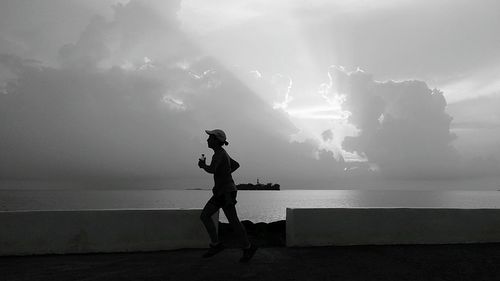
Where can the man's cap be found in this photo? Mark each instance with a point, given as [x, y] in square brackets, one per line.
[219, 134]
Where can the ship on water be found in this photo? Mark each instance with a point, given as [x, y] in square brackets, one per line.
[258, 186]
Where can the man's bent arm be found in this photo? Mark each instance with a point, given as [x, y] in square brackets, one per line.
[213, 165]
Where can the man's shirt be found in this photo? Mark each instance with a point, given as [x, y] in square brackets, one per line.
[220, 166]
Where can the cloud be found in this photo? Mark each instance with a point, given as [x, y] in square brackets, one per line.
[327, 135]
[117, 124]
[132, 94]
[282, 85]
[97, 119]
[37, 29]
[392, 39]
[90, 49]
[137, 30]
[403, 126]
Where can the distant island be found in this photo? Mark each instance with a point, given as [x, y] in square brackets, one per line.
[258, 186]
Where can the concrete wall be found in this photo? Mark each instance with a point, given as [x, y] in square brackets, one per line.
[371, 226]
[85, 231]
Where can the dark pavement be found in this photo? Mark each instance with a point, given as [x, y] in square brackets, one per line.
[473, 262]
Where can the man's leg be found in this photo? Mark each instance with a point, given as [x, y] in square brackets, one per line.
[206, 218]
[232, 217]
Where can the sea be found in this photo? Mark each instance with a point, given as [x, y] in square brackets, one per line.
[256, 206]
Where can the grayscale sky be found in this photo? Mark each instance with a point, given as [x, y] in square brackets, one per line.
[312, 94]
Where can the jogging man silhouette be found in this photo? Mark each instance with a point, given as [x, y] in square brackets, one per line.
[224, 196]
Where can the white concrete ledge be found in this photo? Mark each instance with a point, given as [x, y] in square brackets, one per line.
[85, 231]
[372, 226]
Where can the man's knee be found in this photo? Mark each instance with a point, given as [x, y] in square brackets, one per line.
[204, 216]
[233, 220]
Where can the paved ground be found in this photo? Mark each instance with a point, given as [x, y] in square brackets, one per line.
[412, 262]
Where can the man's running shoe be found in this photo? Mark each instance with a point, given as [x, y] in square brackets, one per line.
[213, 250]
[248, 253]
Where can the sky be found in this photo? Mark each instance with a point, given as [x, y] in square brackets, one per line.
[312, 94]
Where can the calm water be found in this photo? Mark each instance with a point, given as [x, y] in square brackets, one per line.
[257, 206]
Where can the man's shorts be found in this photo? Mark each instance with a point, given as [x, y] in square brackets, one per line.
[225, 199]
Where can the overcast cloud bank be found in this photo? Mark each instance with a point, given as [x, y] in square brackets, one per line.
[130, 99]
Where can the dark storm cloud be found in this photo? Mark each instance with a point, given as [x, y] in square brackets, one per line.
[403, 126]
[95, 119]
[115, 124]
